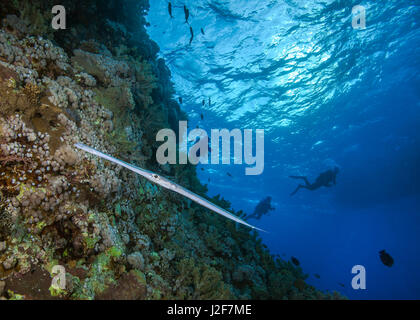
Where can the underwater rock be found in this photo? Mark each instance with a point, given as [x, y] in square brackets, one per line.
[14, 25]
[243, 273]
[106, 70]
[9, 263]
[136, 260]
[299, 284]
[131, 286]
[116, 99]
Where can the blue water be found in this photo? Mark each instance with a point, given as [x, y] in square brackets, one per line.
[325, 94]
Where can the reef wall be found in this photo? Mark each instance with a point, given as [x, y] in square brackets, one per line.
[118, 236]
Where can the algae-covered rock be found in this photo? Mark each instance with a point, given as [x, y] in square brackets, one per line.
[136, 260]
[2, 286]
[107, 71]
[131, 286]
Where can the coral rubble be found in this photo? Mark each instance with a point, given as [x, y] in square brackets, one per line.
[118, 236]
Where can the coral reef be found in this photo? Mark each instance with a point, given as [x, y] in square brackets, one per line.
[118, 236]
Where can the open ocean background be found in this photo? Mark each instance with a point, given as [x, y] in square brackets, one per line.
[325, 94]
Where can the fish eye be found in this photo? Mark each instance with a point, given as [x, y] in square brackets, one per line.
[155, 176]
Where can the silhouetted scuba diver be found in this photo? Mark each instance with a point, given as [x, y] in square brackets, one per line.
[325, 179]
[262, 208]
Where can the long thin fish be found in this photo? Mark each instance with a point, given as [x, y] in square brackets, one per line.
[167, 184]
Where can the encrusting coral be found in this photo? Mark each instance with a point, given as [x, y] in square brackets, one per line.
[118, 236]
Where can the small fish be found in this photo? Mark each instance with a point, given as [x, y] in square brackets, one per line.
[192, 34]
[341, 284]
[386, 258]
[295, 261]
[187, 13]
[180, 100]
[316, 275]
[229, 174]
[204, 103]
[202, 31]
[170, 9]
[202, 169]
[209, 101]
[202, 116]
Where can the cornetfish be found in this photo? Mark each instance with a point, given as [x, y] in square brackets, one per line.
[167, 184]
